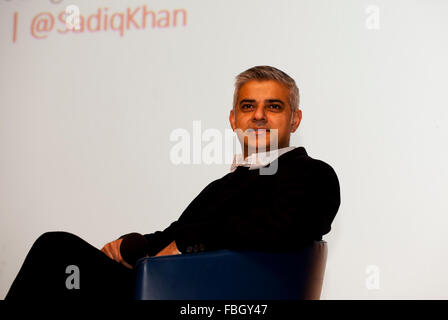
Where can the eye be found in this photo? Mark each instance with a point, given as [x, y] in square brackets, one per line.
[246, 106]
[275, 106]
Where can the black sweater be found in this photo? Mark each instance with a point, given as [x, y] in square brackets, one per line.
[246, 210]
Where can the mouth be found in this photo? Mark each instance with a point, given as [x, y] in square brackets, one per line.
[258, 131]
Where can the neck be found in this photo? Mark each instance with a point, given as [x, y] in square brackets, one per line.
[247, 153]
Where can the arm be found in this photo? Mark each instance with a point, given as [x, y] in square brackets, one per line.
[162, 242]
[299, 207]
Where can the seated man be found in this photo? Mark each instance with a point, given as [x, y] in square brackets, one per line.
[279, 199]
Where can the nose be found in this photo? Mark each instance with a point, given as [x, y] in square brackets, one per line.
[259, 113]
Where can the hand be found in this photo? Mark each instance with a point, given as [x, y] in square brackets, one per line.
[169, 250]
[112, 250]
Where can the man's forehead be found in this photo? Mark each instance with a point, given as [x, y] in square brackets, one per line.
[271, 88]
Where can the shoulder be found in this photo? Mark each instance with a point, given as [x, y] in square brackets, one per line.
[315, 177]
[298, 161]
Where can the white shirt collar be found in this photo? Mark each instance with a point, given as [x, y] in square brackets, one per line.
[258, 160]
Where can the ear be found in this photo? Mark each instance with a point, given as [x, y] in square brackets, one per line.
[232, 119]
[296, 118]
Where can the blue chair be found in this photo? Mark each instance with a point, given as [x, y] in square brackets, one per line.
[233, 275]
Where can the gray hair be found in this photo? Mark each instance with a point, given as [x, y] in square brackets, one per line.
[268, 73]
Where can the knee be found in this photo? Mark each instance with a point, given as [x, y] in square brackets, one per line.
[54, 239]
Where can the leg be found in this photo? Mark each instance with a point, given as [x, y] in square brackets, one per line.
[44, 273]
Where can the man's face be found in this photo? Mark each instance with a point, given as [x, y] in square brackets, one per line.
[264, 105]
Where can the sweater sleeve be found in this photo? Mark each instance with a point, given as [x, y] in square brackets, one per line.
[301, 207]
[160, 239]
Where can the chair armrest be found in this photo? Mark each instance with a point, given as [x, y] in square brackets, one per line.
[233, 275]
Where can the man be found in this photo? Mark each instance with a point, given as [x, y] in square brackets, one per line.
[251, 207]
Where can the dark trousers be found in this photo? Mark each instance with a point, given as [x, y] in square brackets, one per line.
[61, 265]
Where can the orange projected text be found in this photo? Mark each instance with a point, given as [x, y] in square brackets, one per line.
[104, 20]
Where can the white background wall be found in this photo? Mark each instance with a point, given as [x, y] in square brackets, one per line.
[85, 121]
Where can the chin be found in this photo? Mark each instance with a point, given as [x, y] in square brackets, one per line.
[259, 147]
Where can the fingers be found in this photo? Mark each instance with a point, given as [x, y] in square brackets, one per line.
[107, 251]
[112, 250]
[127, 265]
[118, 252]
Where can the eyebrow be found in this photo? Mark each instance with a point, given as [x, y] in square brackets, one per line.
[267, 100]
[274, 101]
[247, 101]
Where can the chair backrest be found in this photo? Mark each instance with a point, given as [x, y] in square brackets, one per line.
[233, 275]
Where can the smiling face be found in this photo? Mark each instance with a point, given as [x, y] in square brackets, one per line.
[263, 104]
